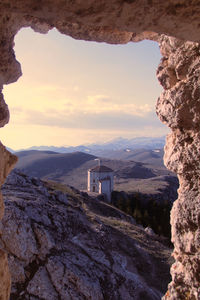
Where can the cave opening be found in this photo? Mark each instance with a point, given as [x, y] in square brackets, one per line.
[72, 92]
[176, 25]
[41, 112]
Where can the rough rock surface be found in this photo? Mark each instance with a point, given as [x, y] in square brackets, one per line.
[120, 21]
[179, 108]
[7, 161]
[69, 246]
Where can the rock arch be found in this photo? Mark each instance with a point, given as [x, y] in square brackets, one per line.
[121, 21]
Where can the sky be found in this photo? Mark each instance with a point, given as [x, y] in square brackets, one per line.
[75, 92]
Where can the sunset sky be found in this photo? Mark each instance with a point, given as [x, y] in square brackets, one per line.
[75, 92]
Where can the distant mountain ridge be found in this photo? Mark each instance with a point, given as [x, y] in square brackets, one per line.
[120, 143]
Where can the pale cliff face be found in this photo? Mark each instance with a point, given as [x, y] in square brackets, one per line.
[178, 107]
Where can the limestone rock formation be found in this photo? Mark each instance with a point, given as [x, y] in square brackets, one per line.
[62, 245]
[7, 161]
[179, 108]
[121, 21]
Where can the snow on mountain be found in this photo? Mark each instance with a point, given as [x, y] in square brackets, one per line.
[115, 144]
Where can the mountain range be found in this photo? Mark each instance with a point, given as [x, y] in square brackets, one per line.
[117, 144]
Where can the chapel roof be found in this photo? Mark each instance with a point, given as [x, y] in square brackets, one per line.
[101, 169]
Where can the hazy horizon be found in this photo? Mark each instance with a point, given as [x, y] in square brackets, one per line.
[74, 92]
[86, 144]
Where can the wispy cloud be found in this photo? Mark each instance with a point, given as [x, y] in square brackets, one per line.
[92, 105]
[99, 104]
[109, 120]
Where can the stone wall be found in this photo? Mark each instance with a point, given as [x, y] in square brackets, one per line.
[121, 21]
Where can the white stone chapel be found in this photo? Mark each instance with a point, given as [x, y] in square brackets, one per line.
[100, 180]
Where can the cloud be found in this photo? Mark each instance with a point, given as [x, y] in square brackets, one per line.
[97, 99]
[99, 104]
[97, 111]
[96, 104]
[18, 109]
[87, 120]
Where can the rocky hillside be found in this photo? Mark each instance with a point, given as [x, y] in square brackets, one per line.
[63, 244]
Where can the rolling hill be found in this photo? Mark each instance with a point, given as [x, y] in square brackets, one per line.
[50, 164]
[71, 169]
[152, 157]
